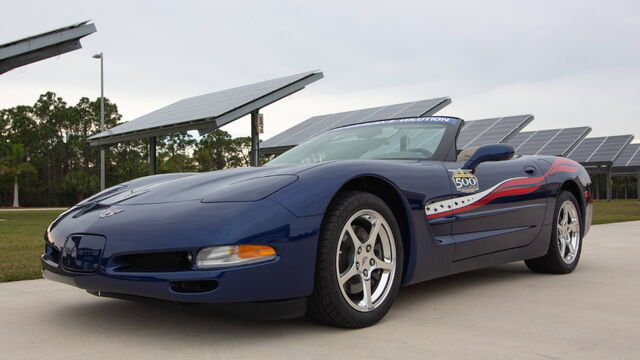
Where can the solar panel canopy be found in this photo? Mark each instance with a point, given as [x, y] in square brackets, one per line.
[39, 47]
[321, 123]
[629, 157]
[207, 112]
[600, 150]
[558, 142]
[491, 131]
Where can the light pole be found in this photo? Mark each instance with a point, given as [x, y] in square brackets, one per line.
[101, 57]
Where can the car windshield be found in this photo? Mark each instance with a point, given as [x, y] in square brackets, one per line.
[389, 139]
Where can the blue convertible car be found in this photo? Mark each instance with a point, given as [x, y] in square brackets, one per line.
[339, 222]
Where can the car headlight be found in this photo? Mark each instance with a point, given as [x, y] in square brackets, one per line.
[224, 256]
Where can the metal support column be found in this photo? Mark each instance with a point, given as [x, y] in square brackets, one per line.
[152, 155]
[609, 183]
[624, 186]
[255, 139]
[102, 164]
[597, 181]
[638, 185]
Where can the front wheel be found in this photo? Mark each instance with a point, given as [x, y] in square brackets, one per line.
[566, 239]
[359, 262]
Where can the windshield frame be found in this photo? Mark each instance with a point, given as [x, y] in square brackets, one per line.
[445, 151]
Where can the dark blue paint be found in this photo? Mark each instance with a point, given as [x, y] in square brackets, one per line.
[283, 206]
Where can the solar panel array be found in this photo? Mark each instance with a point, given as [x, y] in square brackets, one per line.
[321, 123]
[42, 46]
[629, 157]
[491, 131]
[600, 149]
[557, 142]
[209, 111]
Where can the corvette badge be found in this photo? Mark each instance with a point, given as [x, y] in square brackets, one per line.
[109, 212]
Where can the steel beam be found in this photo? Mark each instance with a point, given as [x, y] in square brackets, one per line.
[102, 165]
[255, 138]
[609, 183]
[152, 156]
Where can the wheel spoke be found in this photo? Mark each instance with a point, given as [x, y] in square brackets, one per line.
[348, 274]
[574, 226]
[366, 293]
[563, 245]
[373, 235]
[381, 264]
[354, 238]
[572, 248]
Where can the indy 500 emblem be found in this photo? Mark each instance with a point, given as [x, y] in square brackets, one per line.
[465, 181]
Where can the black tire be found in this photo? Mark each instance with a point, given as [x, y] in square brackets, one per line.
[552, 262]
[327, 303]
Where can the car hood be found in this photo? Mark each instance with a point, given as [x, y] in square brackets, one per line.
[230, 185]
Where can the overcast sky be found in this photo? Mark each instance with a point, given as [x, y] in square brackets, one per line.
[570, 63]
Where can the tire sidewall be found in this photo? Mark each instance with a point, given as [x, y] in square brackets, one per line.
[345, 207]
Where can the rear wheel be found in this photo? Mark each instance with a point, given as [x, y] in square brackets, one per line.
[566, 239]
[359, 264]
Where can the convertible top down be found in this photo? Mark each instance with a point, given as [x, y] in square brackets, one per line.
[340, 222]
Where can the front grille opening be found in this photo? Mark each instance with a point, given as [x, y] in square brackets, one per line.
[51, 254]
[194, 286]
[152, 262]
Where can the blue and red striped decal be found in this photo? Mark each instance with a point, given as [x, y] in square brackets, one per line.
[509, 187]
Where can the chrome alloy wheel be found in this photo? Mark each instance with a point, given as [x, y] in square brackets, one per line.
[568, 227]
[366, 260]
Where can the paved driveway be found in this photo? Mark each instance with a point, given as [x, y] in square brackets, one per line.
[501, 312]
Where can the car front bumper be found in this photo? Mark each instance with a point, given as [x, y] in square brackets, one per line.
[187, 228]
[257, 282]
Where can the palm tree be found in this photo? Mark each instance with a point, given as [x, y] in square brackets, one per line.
[13, 165]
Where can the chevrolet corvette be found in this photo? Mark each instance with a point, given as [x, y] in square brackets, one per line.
[339, 223]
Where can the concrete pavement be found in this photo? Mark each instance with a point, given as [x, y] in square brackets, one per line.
[504, 312]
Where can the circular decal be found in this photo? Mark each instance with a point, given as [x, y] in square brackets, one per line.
[465, 181]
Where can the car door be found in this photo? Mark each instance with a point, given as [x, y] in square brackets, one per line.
[499, 206]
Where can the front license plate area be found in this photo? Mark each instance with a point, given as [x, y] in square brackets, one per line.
[83, 252]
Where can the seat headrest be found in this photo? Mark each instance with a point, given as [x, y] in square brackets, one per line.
[466, 153]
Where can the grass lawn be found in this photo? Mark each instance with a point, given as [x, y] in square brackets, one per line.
[22, 243]
[21, 235]
[605, 212]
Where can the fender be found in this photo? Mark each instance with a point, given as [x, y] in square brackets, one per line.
[414, 182]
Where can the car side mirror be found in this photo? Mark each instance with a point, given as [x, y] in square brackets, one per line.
[493, 152]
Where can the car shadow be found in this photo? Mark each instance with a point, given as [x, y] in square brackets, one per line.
[459, 284]
[168, 321]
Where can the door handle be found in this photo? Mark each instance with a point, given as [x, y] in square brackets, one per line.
[530, 170]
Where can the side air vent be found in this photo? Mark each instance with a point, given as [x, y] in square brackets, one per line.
[197, 286]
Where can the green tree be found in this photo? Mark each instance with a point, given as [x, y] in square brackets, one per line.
[174, 154]
[14, 166]
[217, 150]
[79, 185]
[64, 167]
